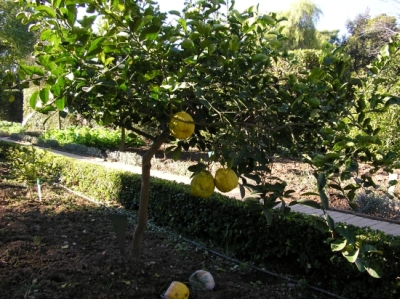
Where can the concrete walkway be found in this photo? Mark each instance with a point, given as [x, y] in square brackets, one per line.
[391, 228]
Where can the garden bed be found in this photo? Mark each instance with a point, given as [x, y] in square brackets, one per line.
[65, 247]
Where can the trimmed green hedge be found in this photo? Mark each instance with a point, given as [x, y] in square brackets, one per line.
[292, 241]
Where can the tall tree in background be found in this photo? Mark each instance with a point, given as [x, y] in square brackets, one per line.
[16, 46]
[16, 41]
[300, 27]
[329, 36]
[367, 36]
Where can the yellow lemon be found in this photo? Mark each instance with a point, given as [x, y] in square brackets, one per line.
[202, 185]
[181, 125]
[176, 290]
[226, 180]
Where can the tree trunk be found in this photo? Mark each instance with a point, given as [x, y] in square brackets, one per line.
[144, 194]
[122, 143]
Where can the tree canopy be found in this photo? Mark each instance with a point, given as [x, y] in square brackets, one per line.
[300, 27]
[225, 70]
[16, 41]
[367, 36]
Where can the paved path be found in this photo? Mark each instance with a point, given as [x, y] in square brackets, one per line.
[349, 218]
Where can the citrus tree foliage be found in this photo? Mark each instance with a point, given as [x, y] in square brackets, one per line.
[220, 68]
[386, 72]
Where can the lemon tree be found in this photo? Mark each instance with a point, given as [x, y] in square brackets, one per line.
[223, 68]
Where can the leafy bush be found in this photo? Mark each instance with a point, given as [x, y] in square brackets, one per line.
[99, 137]
[10, 127]
[378, 205]
[47, 143]
[29, 164]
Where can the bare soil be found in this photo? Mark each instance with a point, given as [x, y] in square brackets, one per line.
[66, 247]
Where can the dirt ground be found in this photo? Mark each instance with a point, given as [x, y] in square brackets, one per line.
[65, 247]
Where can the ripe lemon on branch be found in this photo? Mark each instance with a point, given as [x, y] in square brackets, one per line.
[226, 179]
[202, 185]
[181, 125]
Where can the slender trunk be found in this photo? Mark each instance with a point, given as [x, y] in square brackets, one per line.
[144, 193]
[122, 143]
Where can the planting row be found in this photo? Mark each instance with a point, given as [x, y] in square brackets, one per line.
[292, 242]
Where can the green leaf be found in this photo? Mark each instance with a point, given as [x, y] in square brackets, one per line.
[392, 101]
[321, 181]
[135, 24]
[60, 103]
[107, 118]
[33, 99]
[360, 264]
[87, 22]
[384, 51]
[371, 249]
[375, 271]
[242, 191]
[152, 74]
[234, 43]
[253, 204]
[187, 44]
[47, 10]
[338, 245]
[31, 70]
[71, 15]
[218, 27]
[150, 33]
[335, 186]
[175, 12]
[45, 35]
[197, 167]
[95, 46]
[347, 233]
[176, 153]
[268, 215]
[319, 160]
[331, 222]
[260, 58]
[56, 3]
[194, 35]
[352, 255]
[321, 224]
[44, 95]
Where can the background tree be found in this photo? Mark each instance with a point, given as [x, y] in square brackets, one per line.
[16, 46]
[329, 36]
[367, 36]
[300, 27]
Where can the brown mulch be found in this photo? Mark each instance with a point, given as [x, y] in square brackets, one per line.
[65, 247]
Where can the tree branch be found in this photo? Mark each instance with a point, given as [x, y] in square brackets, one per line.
[140, 132]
